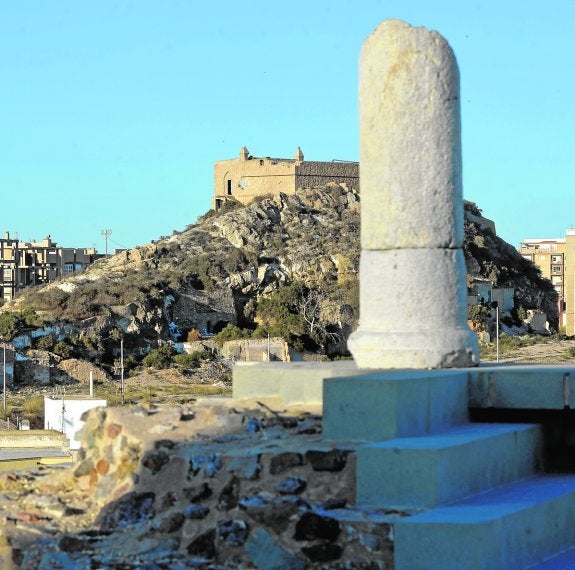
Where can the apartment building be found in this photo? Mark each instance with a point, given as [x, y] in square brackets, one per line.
[25, 264]
[247, 177]
[555, 257]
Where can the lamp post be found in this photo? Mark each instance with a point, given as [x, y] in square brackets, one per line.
[495, 305]
[122, 366]
[3, 375]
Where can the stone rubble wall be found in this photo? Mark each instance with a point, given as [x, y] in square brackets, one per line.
[224, 484]
[256, 350]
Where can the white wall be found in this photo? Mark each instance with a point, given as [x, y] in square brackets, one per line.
[70, 411]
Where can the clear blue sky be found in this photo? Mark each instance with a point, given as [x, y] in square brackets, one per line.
[112, 112]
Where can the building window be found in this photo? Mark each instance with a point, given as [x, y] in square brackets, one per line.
[556, 279]
[556, 259]
[7, 274]
[528, 256]
[229, 187]
[556, 269]
[68, 268]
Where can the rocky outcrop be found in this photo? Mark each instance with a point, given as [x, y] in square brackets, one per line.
[217, 270]
[40, 367]
[489, 256]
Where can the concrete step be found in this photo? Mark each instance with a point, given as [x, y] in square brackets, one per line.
[401, 403]
[413, 473]
[563, 561]
[514, 526]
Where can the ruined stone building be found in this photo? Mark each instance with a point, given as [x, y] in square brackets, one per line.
[23, 264]
[248, 177]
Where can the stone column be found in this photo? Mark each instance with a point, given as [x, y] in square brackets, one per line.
[413, 296]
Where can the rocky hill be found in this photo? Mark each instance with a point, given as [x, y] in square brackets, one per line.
[287, 266]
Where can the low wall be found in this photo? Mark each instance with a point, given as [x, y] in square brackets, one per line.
[38, 439]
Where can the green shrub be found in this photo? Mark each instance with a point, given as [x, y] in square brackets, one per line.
[33, 408]
[232, 332]
[478, 315]
[159, 358]
[45, 342]
[63, 349]
[191, 360]
[8, 326]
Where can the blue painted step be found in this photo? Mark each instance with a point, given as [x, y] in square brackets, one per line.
[512, 527]
[563, 561]
[423, 472]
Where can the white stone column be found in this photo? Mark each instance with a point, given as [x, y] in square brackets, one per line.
[413, 297]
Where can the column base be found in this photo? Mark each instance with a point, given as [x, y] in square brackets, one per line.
[455, 348]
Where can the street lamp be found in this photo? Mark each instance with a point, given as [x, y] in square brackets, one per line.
[3, 375]
[122, 366]
[495, 305]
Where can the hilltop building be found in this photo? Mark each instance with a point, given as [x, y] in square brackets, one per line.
[23, 264]
[555, 257]
[248, 177]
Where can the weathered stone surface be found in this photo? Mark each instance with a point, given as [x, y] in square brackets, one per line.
[198, 493]
[230, 495]
[167, 501]
[413, 307]
[132, 508]
[196, 512]
[410, 148]
[419, 318]
[210, 463]
[232, 532]
[154, 461]
[284, 461]
[113, 430]
[69, 543]
[165, 443]
[312, 526]
[266, 554]
[332, 460]
[247, 468]
[204, 545]
[168, 524]
[274, 515]
[291, 486]
[84, 468]
[324, 552]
